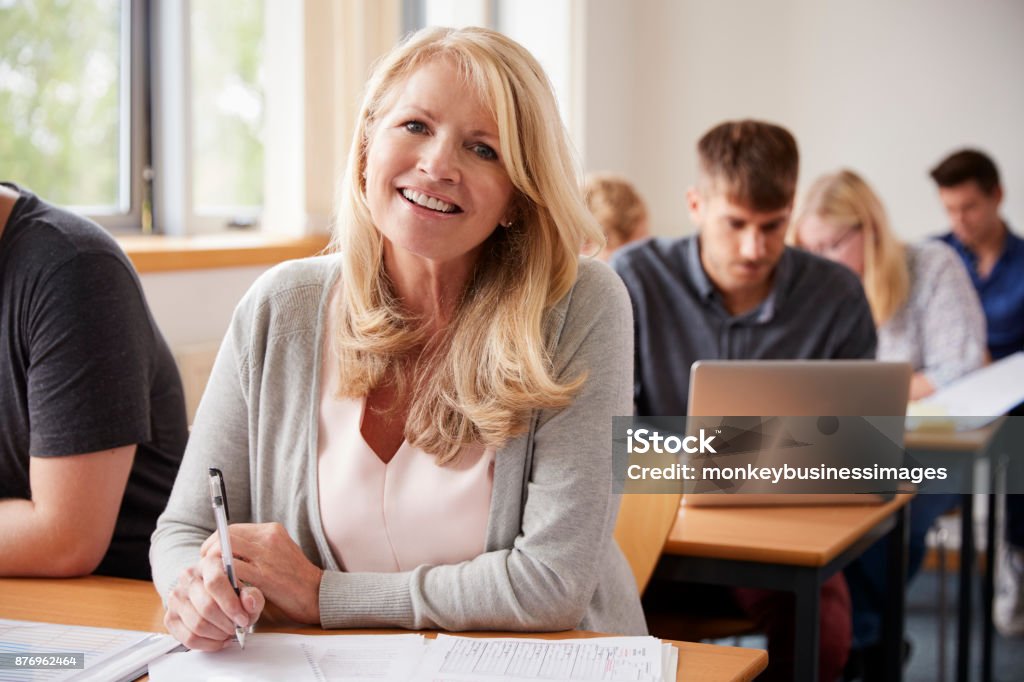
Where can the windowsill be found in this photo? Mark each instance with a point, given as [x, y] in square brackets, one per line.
[167, 254]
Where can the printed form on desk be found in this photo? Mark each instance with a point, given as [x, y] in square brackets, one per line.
[413, 658]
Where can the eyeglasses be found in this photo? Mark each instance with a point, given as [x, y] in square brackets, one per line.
[836, 244]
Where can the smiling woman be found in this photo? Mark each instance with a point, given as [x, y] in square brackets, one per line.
[416, 430]
[435, 185]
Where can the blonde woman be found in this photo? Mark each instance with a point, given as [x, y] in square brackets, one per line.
[619, 209]
[923, 303]
[927, 313]
[416, 431]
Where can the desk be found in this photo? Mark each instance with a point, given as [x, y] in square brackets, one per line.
[794, 549]
[134, 605]
[965, 447]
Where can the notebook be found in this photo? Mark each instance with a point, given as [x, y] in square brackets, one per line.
[105, 654]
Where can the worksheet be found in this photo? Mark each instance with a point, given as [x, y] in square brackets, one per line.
[604, 659]
[412, 658]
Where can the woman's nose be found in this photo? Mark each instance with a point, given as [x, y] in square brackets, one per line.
[438, 161]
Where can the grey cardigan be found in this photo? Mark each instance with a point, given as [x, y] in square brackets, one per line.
[550, 562]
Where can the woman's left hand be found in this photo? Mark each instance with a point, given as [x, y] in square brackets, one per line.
[267, 558]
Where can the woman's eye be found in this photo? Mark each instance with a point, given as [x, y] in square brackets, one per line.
[415, 127]
[485, 152]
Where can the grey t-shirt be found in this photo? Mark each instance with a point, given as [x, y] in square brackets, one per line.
[816, 310]
[84, 368]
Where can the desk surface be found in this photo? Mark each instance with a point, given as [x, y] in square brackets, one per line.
[134, 605]
[798, 535]
[967, 442]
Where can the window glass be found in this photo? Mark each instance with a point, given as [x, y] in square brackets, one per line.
[227, 46]
[63, 130]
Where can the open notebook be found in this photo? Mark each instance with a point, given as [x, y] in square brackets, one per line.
[109, 655]
[413, 658]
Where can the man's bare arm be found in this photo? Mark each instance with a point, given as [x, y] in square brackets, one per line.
[65, 529]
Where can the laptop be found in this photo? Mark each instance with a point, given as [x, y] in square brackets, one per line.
[804, 388]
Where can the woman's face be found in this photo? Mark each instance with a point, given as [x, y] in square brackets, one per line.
[842, 242]
[435, 184]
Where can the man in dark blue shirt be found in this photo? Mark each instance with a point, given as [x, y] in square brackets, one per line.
[971, 193]
[736, 291]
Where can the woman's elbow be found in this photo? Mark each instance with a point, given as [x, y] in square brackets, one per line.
[560, 608]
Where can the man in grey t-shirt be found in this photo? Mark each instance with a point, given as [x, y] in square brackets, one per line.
[92, 416]
[735, 291]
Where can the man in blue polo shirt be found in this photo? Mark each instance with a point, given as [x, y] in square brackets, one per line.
[971, 193]
[736, 291]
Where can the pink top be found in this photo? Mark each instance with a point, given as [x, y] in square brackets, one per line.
[394, 517]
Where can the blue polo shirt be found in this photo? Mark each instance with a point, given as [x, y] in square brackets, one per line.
[1001, 293]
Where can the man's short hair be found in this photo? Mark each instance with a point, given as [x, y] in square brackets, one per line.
[966, 165]
[753, 162]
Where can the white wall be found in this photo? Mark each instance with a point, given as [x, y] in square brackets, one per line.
[194, 307]
[886, 88]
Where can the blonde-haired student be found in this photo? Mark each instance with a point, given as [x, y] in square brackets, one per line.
[416, 430]
[619, 208]
[921, 297]
[927, 313]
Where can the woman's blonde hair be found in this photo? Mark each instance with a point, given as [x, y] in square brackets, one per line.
[616, 204]
[480, 379]
[847, 199]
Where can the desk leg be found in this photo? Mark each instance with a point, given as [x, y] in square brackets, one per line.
[967, 558]
[807, 643]
[896, 583]
[988, 586]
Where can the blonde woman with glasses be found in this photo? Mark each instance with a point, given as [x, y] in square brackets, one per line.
[415, 431]
[926, 312]
[923, 303]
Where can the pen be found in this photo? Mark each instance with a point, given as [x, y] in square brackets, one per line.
[219, 500]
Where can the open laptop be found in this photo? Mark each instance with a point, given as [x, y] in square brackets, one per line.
[802, 388]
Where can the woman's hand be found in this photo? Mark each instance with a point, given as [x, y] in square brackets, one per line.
[203, 609]
[267, 558]
[920, 386]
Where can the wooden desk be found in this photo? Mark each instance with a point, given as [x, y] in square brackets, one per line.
[794, 549]
[961, 449]
[134, 605]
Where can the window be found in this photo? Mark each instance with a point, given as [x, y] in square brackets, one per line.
[79, 127]
[226, 47]
[210, 104]
[69, 117]
[180, 115]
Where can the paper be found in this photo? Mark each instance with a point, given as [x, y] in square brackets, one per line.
[603, 659]
[109, 654]
[411, 658]
[974, 400]
[297, 658]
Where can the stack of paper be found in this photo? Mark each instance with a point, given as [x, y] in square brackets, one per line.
[110, 655]
[412, 658]
[975, 399]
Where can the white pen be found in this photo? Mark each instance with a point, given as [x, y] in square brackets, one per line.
[219, 500]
